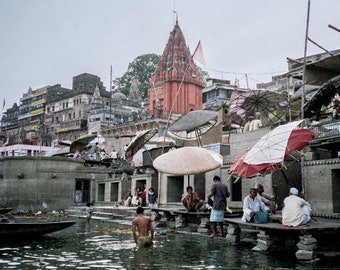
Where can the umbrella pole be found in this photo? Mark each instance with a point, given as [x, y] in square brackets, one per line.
[173, 103]
[303, 91]
[198, 136]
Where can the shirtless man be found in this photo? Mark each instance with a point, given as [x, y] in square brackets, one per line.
[143, 225]
[191, 201]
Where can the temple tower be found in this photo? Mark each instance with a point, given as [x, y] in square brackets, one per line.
[176, 86]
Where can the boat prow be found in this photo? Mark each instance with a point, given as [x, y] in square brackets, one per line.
[31, 229]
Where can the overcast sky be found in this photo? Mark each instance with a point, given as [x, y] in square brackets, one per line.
[45, 42]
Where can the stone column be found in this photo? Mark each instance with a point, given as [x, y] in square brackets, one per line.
[263, 241]
[233, 234]
[203, 228]
[180, 222]
[307, 246]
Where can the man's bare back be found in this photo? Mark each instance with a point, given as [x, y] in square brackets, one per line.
[142, 225]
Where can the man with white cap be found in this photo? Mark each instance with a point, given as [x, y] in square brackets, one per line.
[296, 211]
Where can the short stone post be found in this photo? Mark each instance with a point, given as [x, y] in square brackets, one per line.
[263, 241]
[307, 246]
[203, 228]
[233, 234]
[179, 221]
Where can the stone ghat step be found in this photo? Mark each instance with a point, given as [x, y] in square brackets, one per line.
[107, 213]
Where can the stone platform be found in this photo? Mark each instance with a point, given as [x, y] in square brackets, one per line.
[304, 237]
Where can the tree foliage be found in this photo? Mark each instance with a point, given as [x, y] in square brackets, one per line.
[142, 68]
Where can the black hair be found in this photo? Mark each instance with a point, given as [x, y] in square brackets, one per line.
[140, 210]
[189, 187]
[216, 178]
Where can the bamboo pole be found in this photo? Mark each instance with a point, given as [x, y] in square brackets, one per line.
[303, 92]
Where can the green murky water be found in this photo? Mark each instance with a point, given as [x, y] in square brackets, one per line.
[100, 245]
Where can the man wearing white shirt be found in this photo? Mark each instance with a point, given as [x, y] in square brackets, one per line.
[296, 211]
[251, 205]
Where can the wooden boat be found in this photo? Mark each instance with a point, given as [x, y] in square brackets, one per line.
[33, 228]
[5, 210]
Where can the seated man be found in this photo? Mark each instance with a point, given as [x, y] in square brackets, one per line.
[191, 201]
[268, 200]
[296, 211]
[142, 197]
[251, 205]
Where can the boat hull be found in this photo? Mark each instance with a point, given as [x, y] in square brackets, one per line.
[30, 229]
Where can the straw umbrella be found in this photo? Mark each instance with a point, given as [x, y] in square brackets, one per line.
[188, 161]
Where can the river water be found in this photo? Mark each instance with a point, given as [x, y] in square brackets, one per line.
[105, 245]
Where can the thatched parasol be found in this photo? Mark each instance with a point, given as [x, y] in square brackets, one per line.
[81, 143]
[138, 142]
[193, 125]
[188, 161]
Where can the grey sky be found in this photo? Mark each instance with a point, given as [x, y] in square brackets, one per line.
[45, 42]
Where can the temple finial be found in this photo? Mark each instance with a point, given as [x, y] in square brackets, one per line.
[175, 12]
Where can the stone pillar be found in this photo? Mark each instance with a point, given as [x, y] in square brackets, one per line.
[307, 246]
[233, 234]
[180, 222]
[263, 241]
[203, 228]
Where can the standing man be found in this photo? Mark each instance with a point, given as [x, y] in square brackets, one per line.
[220, 193]
[144, 226]
[88, 212]
[97, 151]
[296, 211]
[256, 123]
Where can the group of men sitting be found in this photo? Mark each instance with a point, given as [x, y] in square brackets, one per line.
[296, 210]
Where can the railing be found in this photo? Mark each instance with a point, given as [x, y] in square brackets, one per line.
[326, 129]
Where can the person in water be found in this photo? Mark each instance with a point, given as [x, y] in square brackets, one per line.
[142, 225]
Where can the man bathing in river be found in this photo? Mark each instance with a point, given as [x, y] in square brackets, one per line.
[144, 226]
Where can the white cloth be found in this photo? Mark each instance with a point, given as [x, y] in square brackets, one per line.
[134, 200]
[250, 205]
[114, 155]
[294, 213]
[257, 124]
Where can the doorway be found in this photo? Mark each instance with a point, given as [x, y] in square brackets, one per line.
[114, 192]
[82, 191]
[175, 189]
[336, 190]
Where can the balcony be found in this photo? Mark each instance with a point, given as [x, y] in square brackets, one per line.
[74, 124]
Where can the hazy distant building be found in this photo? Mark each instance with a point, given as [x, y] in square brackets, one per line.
[218, 92]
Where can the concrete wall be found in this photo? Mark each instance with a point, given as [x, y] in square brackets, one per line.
[27, 182]
[322, 185]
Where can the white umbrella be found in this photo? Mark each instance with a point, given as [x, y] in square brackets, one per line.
[188, 161]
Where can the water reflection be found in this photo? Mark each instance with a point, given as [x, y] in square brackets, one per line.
[100, 245]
